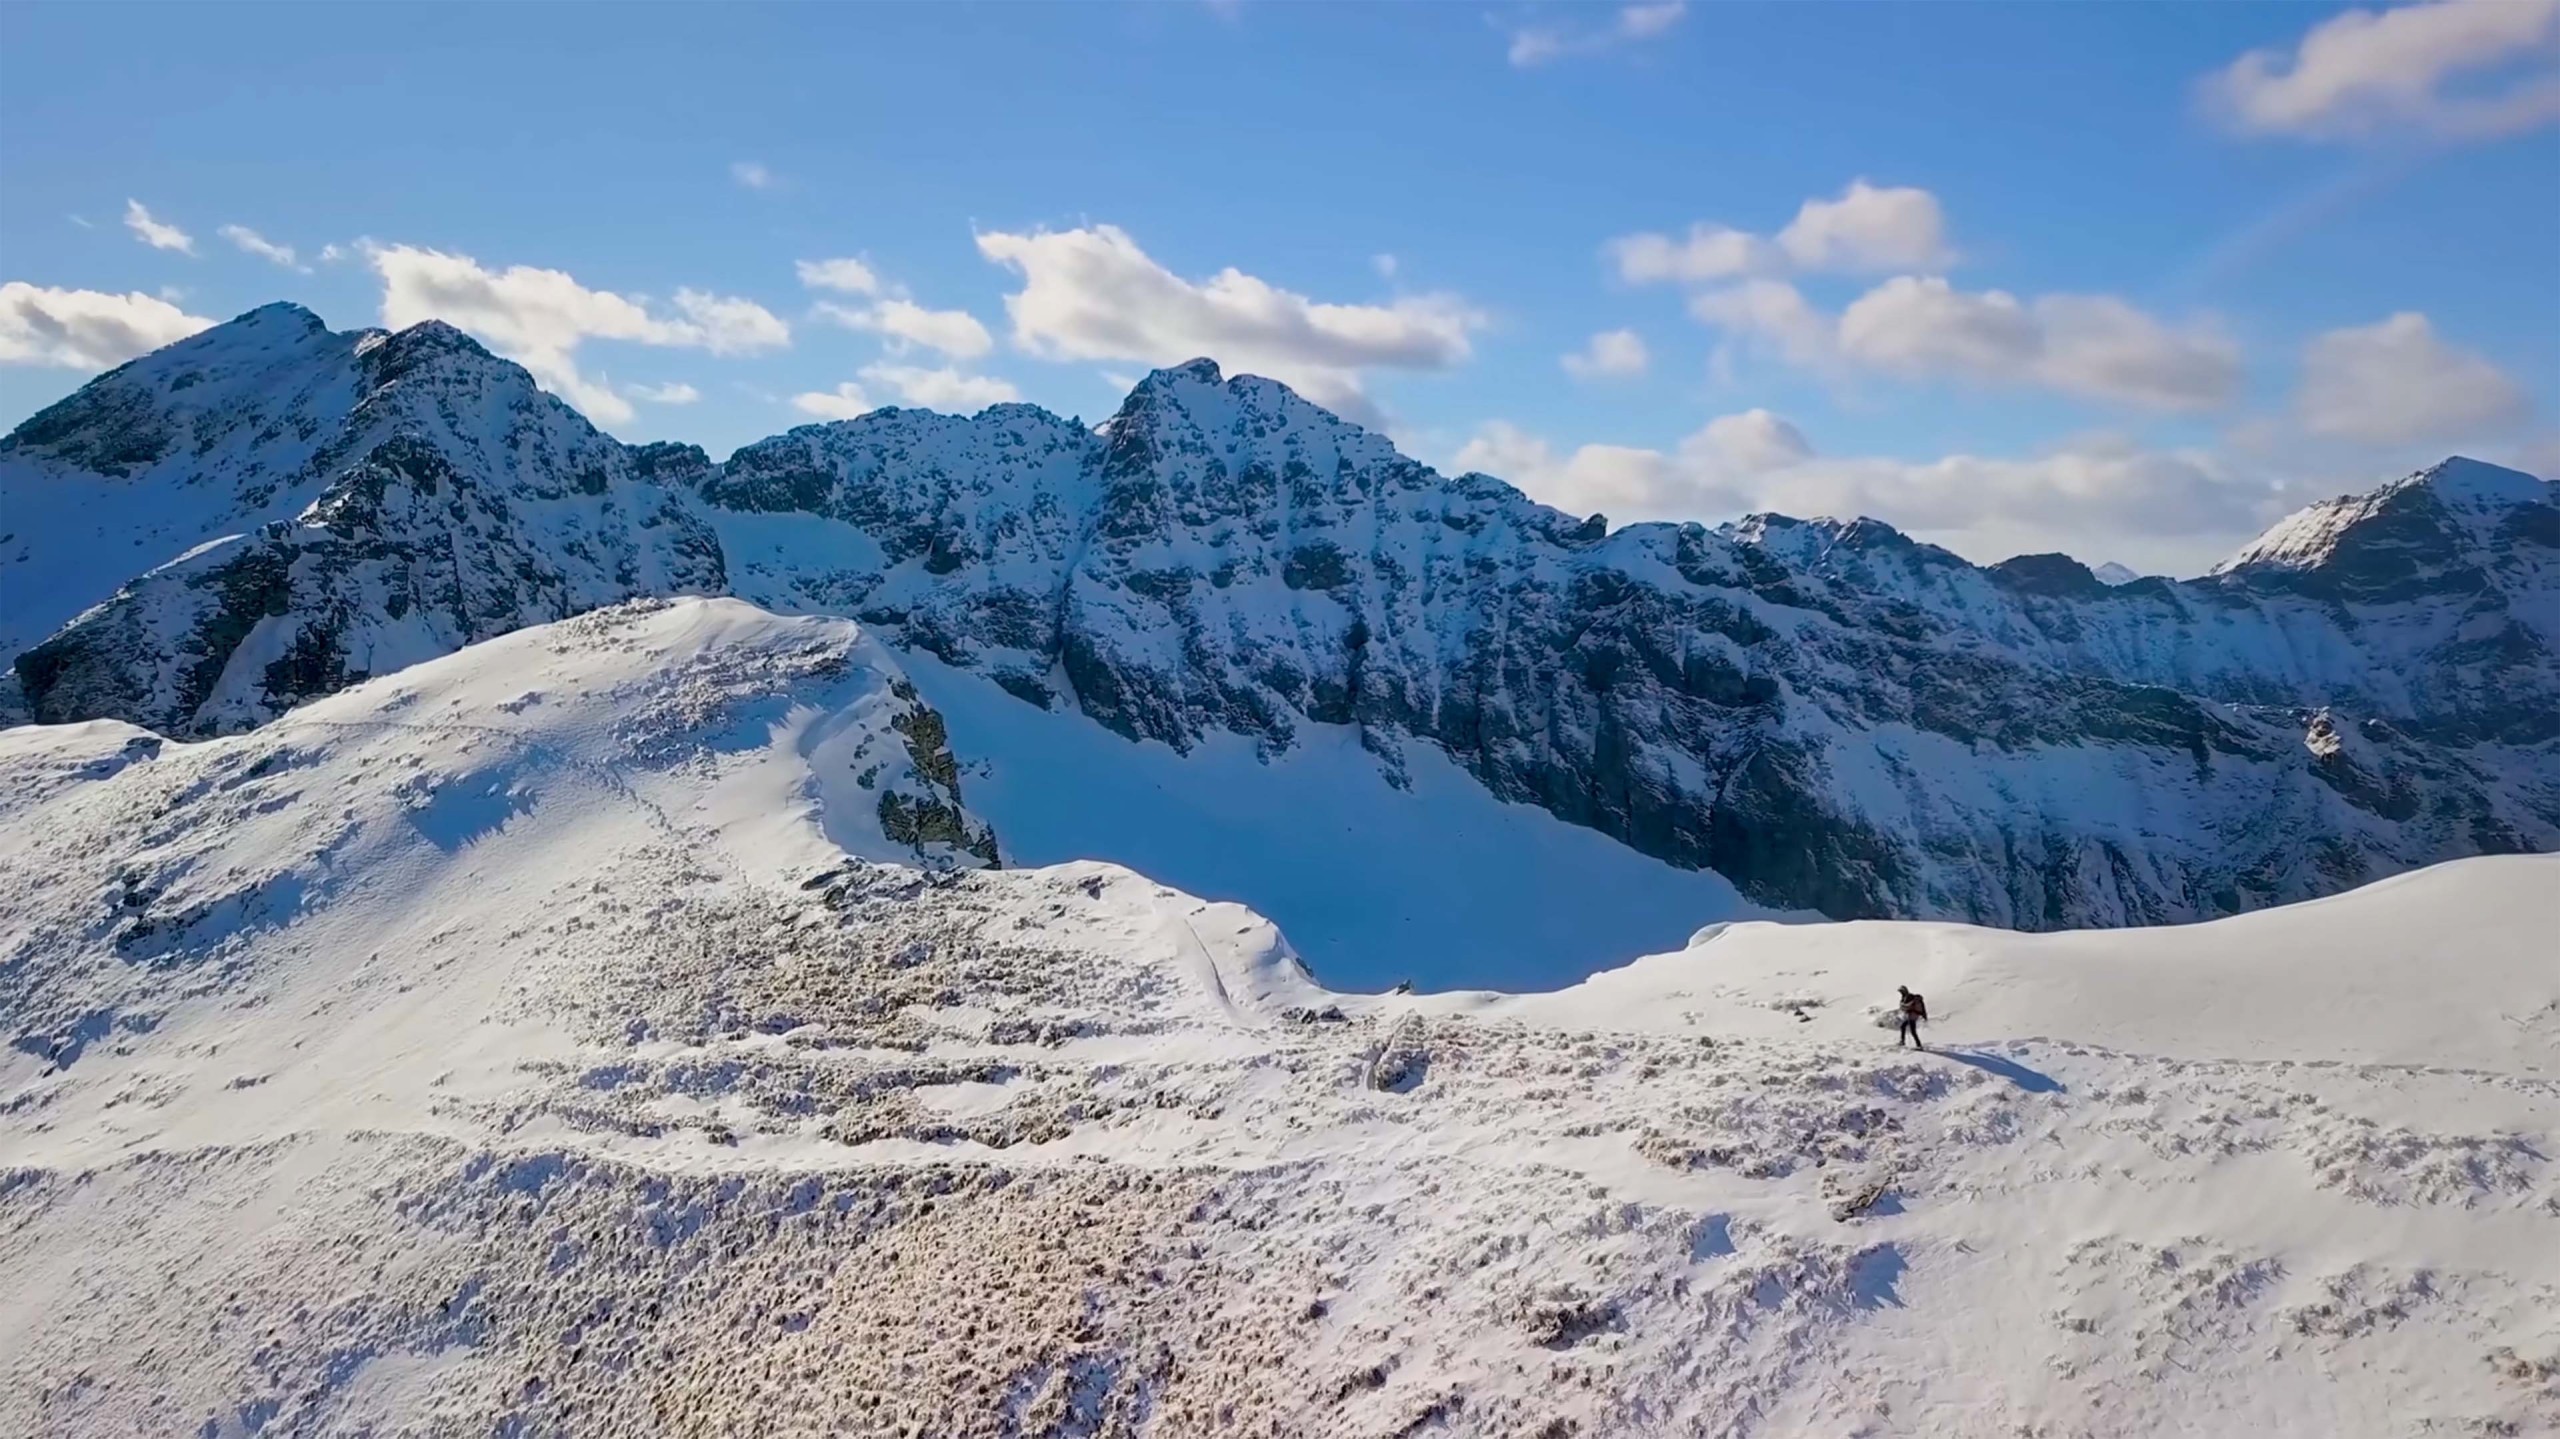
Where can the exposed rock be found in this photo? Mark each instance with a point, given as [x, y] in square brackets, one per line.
[1836, 716]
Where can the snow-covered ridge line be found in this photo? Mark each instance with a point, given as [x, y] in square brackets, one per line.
[547, 1037]
[1832, 715]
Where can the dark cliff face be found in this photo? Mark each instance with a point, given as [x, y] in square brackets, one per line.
[1832, 714]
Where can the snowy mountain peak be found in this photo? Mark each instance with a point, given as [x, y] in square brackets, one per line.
[320, 507]
[2454, 527]
[1829, 713]
[2470, 484]
[1201, 370]
[404, 352]
[279, 313]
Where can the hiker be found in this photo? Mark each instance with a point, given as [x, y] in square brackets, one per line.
[1914, 1010]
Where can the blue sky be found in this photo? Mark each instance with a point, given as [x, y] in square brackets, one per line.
[2125, 280]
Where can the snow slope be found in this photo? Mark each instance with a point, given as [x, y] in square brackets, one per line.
[1435, 882]
[556, 1038]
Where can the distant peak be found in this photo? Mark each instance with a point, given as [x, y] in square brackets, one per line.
[420, 344]
[2476, 484]
[280, 312]
[1204, 370]
[2047, 574]
[2433, 528]
[436, 334]
[1866, 533]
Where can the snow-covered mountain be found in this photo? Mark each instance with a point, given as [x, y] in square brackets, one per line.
[287, 510]
[608, 1028]
[1833, 716]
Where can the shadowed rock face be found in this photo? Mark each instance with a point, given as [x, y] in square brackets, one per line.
[1836, 716]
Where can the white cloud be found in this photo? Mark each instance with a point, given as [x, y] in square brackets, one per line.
[674, 392]
[1385, 265]
[1750, 443]
[85, 329]
[1092, 294]
[1610, 354]
[2457, 68]
[1772, 311]
[259, 245]
[1643, 22]
[155, 234]
[1620, 481]
[2396, 382]
[1702, 478]
[2163, 510]
[902, 325]
[1534, 45]
[956, 333]
[1709, 252]
[942, 389]
[728, 325]
[1868, 229]
[539, 318]
[844, 402]
[331, 254]
[752, 174]
[2094, 346]
[848, 275]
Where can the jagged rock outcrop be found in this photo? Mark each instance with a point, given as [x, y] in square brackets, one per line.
[1836, 716]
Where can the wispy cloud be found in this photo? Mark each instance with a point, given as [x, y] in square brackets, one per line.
[846, 276]
[1533, 45]
[251, 242]
[152, 232]
[753, 175]
[1867, 229]
[956, 333]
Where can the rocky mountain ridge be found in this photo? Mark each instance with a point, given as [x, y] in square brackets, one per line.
[1832, 714]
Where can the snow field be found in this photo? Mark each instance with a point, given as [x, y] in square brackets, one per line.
[548, 1040]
